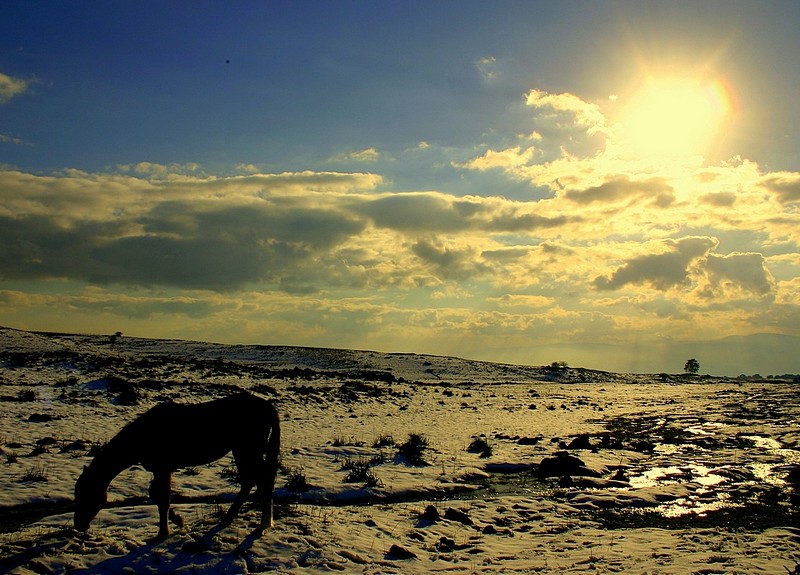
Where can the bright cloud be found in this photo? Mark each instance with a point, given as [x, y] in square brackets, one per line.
[570, 110]
[11, 87]
[487, 66]
[6, 139]
[367, 155]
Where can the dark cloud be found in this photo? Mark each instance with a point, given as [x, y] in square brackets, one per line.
[521, 222]
[747, 270]
[508, 254]
[720, 199]
[785, 186]
[556, 249]
[623, 188]
[434, 213]
[449, 263]
[182, 245]
[414, 213]
[661, 270]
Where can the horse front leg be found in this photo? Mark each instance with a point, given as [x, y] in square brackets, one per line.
[160, 488]
[236, 506]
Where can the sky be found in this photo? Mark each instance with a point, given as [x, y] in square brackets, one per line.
[615, 185]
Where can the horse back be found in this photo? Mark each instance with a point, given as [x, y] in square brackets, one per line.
[173, 435]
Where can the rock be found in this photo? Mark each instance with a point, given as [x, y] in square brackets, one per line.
[430, 514]
[528, 440]
[354, 557]
[643, 446]
[39, 568]
[402, 553]
[445, 545]
[40, 418]
[620, 475]
[580, 442]
[457, 515]
[608, 442]
[564, 464]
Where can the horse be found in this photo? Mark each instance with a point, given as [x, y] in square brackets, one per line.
[170, 436]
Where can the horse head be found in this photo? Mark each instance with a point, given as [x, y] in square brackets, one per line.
[90, 496]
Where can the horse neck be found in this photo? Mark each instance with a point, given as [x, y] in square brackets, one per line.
[109, 463]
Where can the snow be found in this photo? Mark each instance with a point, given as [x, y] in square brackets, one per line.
[682, 475]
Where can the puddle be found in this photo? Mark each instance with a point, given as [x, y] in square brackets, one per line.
[766, 472]
[694, 506]
[677, 474]
[716, 477]
[708, 429]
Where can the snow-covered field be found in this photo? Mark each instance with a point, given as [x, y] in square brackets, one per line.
[519, 469]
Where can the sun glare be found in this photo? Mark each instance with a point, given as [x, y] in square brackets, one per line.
[671, 117]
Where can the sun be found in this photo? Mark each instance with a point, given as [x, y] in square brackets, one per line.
[671, 117]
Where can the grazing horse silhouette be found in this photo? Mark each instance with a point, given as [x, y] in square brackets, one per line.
[172, 435]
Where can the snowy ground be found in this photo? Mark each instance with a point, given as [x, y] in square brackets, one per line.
[650, 474]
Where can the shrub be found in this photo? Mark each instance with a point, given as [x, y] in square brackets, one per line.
[296, 480]
[384, 441]
[481, 446]
[35, 474]
[414, 448]
[340, 441]
[231, 473]
[27, 395]
[359, 471]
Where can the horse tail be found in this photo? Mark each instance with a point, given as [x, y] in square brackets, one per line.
[272, 454]
[269, 473]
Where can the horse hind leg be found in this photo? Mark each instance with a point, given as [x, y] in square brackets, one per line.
[246, 468]
[268, 470]
[160, 488]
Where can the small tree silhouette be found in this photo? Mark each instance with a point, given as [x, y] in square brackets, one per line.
[691, 366]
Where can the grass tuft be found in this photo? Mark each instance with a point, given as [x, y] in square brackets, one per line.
[413, 449]
[296, 480]
[36, 474]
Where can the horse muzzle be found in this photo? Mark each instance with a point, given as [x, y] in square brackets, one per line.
[80, 524]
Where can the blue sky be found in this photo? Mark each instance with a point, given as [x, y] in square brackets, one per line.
[611, 184]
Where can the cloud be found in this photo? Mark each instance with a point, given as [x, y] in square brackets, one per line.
[747, 271]
[622, 188]
[487, 66]
[11, 87]
[427, 212]
[455, 263]
[367, 155]
[520, 301]
[248, 168]
[508, 159]
[332, 258]
[567, 109]
[719, 199]
[217, 234]
[565, 127]
[155, 170]
[662, 270]
[97, 301]
[785, 185]
[6, 139]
